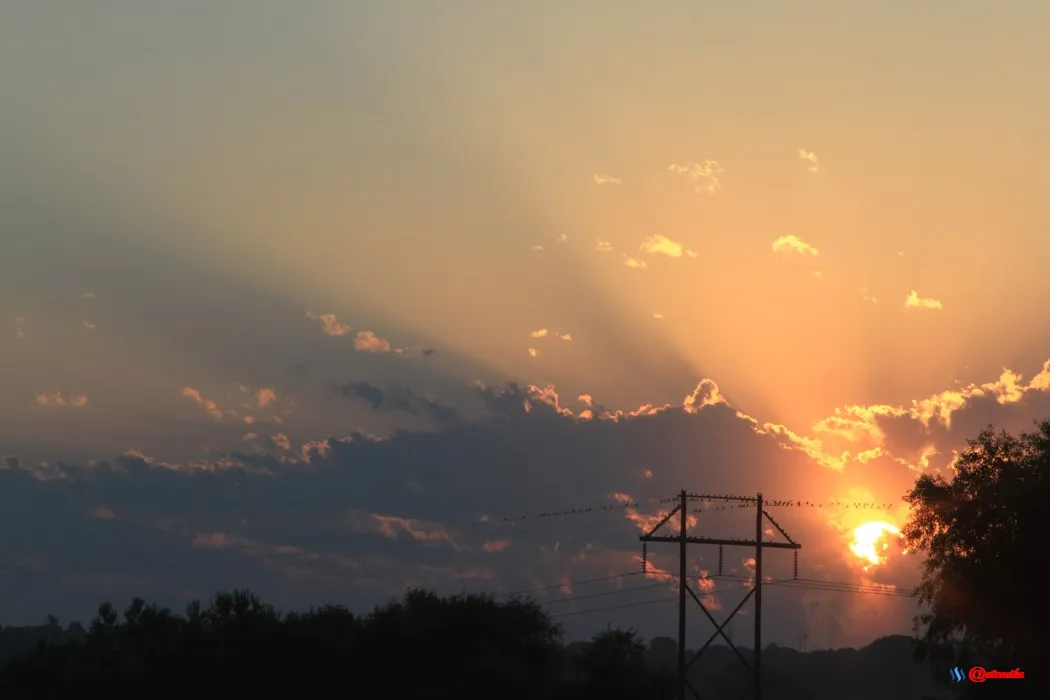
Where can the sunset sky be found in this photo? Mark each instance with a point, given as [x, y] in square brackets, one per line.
[296, 293]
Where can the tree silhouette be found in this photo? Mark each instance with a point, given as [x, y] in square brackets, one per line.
[985, 561]
[420, 646]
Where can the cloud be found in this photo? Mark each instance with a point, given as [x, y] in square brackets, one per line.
[541, 333]
[533, 352]
[562, 238]
[297, 514]
[265, 397]
[865, 295]
[914, 301]
[600, 179]
[19, 326]
[657, 315]
[661, 245]
[603, 246]
[565, 336]
[87, 295]
[53, 399]
[367, 341]
[704, 176]
[813, 163]
[329, 323]
[499, 545]
[537, 248]
[207, 405]
[636, 263]
[400, 399]
[793, 245]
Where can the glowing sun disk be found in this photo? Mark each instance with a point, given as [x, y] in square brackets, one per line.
[868, 541]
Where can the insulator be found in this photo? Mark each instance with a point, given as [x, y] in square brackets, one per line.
[645, 558]
[796, 564]
[719, 560]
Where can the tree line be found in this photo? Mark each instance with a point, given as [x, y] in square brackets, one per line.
[420, 646]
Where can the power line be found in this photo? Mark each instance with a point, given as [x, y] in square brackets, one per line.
[616, 607]
[563, 584]
[646, 602]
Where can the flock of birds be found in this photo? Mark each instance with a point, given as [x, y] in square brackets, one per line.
[735, 502]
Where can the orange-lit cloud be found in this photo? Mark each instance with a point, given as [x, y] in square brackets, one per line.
[541, 333]
[533, 352]
[601, 179]
[704, 176]
[793, 245]
[492, 546]
[810, 158]
[329, 323]
[603, 246]
[58, 399]
[265, 396]
[208, 406]
[914, 301]
[866, 295]
[662, 245]
[636, 263]
[367, 341]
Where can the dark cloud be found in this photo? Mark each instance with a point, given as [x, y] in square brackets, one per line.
[400, 399]
[356, 518]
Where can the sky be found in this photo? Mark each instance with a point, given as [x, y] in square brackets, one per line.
[308, 298]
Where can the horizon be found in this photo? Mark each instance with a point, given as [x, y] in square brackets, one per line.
[328, 301]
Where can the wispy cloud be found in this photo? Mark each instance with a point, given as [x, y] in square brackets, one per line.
[564, 336]
[265, 397]
[367, 341]
[19, 324]
[603, 179]
[636, 263]
[812, 162]
[533, 352]
[793, 245]
[866, 295]
[562, 238]
[400, 399]
[329, 323]
[603, 246]
[538, 248]
[58, 399]
[541, 333]
[662, 245]
[704, 176]
[914, 301]
[207, 405]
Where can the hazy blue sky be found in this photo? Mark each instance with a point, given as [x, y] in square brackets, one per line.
[296, 292]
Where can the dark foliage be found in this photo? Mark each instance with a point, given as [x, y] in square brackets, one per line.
[981, 536]
[421, 646]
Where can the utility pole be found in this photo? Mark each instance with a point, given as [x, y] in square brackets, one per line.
[682, 586]
[683, 539]
[759, 521]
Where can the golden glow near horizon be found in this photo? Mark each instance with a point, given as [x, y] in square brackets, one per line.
[871, 542]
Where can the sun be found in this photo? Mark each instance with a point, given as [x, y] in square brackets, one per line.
[869, 541]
